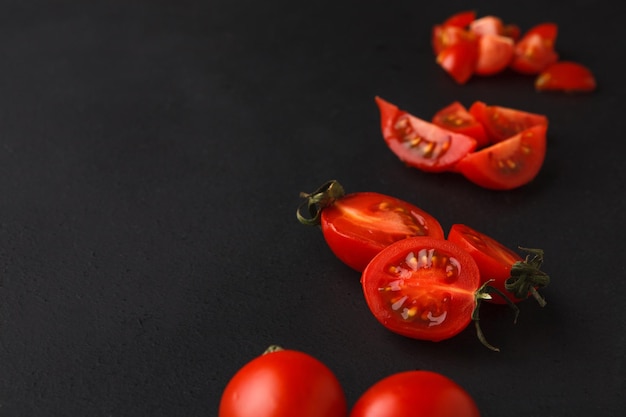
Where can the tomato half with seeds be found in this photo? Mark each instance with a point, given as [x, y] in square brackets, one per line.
[508, 164]
[421, 144]
[422, 288]
[501, 122]
[282, 383]
[357, 226]
[457, 118]
[501, 267]
[413, 394]
[567, 76]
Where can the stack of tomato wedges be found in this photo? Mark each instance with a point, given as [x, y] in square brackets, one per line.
[496, 147]
[465, 45]
[417, 282]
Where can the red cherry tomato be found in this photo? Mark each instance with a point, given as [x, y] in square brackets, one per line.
[508, 164]
[502, 268]
[423, 288]
[359, 225]
[501, 123]
[283, 383]
[535, 50]
[495, 53]
[459, 60]
[456, 118]
[421, 144]
[413, 394]
[566, 76]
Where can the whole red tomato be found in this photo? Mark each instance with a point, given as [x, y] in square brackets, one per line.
[415, 394]
[283, 383]
[357, 226]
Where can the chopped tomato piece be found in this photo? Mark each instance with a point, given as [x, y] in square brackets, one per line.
[421, 144]
[445, 36]
[456, 118]
[566, 76]
[487, 25]
[495, 53]
[535, 50]
[503, 122]
[508, 164]
[459, 60]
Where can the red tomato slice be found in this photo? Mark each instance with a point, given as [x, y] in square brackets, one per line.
[359, 225]
[283, 383]
[503, 122]
[535, 50]
[421, 144]
[459, 59]
[494, 260]
[422, 288]
[495, 53]
[566, 76]
[456, 118]
[508, 164]
[415, 393]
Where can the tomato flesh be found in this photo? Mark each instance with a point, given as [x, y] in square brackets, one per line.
[501, 123]
[456, 118]
[494, 260]
[283, 383]
[358, 226]
[422, 288]
[508, 164]
[415, 393]
[566, 76]
[419, 143]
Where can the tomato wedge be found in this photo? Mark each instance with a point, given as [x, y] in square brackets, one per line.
[421, 144]
[457, 118]
[508, 164]
[502, 268]
[503, 122]
[495, 53]
[566, 76]
[459, 60]
[357, 226]
[535, 50]
[423, 288]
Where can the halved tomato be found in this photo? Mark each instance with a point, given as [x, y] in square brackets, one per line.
[566, 76]
[457, 118]
[421, 144]
[535, 50]
[503, 122]
[508, 164]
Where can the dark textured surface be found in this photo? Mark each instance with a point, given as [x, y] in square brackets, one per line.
[151, 157]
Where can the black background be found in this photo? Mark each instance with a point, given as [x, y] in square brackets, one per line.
[151, 159]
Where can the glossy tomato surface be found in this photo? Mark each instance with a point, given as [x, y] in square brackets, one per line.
[494, 260]
[422, 288]
[358, 226]
[567, 76]
[415, 394]
[457, 118]
[501, 122]
[508, 164]
[284, 383]
[419, 143]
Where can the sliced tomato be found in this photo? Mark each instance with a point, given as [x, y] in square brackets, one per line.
[566, 76]
[501, 267]
[495, 53]
[459, 60]
[535, 50]
[508, 164]
[422, 288]
[421, 144]
[487, 25]
[357, 226]
[457, 118]
[503, 122]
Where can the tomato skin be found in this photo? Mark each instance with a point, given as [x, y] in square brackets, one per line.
[461, 19]
[421, 144]
[415, 394]
[459, 60]
[501, 122]
[284, 383]
[494, 260]
[422, 288]
[508, 164]
[359, 225]
[535, 50]
[495, 53]
[457, 118]
[566, 76]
